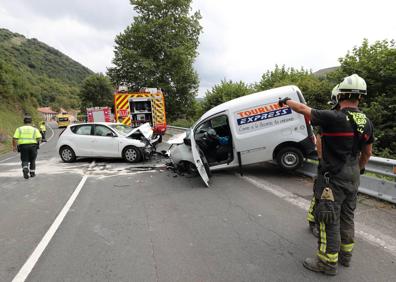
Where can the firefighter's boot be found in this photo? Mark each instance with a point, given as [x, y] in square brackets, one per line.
[314, 229]
[316, 265]
[25, 172]
[344, 258]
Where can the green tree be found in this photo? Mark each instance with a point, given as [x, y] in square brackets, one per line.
[316, 90]
[158, 50]
[96, 91]
[223, 92]
[376, 63]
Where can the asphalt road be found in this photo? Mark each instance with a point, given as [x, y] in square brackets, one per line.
[145, 223]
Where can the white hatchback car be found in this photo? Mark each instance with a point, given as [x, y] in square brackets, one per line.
[106, 140]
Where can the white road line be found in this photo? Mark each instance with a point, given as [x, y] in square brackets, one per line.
[369, 234]
[8, 159]
[38, 251]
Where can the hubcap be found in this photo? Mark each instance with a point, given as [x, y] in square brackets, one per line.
[66, 154]
[130, 154]
[289, 159]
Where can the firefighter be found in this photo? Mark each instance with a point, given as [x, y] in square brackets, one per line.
[310, 215]
[347, 137]
[26, 140]
[43, 130]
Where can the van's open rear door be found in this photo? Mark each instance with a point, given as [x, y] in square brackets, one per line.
[198, 162]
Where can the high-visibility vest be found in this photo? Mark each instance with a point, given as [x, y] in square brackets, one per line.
[42, 127]
[27, 135]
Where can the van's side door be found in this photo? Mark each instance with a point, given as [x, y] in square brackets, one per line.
[198, 161]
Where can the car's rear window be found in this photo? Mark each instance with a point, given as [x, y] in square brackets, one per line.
[84, 129]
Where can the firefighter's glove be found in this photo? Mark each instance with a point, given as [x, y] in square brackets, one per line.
[362, 170]
[282, 101]
[325, 211]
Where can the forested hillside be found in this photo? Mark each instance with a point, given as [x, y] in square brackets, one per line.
[32, 74]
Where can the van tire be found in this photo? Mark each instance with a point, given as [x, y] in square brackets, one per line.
[290, 158]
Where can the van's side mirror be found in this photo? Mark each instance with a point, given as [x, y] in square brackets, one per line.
[187, 141]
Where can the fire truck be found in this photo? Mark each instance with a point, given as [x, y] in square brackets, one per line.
[137, 108]
[98, 114]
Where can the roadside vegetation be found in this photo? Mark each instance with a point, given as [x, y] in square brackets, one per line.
[33, 74]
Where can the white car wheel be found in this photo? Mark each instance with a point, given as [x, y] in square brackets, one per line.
[131, 154]
[67, 154]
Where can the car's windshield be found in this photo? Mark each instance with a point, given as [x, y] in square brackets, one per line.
[121, 128]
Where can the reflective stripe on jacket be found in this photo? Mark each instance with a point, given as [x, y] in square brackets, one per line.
[27, 135]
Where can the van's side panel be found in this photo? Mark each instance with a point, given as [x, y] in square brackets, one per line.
[258, 125]
[262, 125]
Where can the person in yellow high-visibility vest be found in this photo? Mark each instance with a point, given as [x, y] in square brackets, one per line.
[43, 130]
[26, 140]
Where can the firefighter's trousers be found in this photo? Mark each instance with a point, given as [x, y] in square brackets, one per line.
[311, 213]
[338, 237]
[28, 156]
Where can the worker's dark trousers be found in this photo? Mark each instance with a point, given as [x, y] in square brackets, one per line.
[43, 134]
[338, 237]
[311, 213]
[28, 156]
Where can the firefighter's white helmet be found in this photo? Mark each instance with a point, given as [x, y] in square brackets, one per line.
[353, 84]
[333, 98]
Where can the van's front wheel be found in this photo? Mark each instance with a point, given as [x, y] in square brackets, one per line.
[290, 158]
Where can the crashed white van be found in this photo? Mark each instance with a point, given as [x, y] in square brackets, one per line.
[247, 130]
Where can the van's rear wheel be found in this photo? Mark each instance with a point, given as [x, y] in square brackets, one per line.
[290, 158]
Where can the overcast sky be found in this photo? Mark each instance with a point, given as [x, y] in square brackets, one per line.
[240, 39]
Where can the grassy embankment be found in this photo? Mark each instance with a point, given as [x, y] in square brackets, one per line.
[9, 120]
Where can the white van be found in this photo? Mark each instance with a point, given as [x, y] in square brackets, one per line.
[247, 130]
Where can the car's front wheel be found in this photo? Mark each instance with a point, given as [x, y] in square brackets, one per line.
[131, 154]
[67, 154]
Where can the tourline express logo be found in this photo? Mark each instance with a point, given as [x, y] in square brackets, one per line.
[262, 113]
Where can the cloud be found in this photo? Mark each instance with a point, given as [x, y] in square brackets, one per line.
[240, 41]
[256, 35]
[103, 15]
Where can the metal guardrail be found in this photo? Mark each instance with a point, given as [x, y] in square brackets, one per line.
[369, 185]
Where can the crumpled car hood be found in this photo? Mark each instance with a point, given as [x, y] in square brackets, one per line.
[145, 129]
[177, 139]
